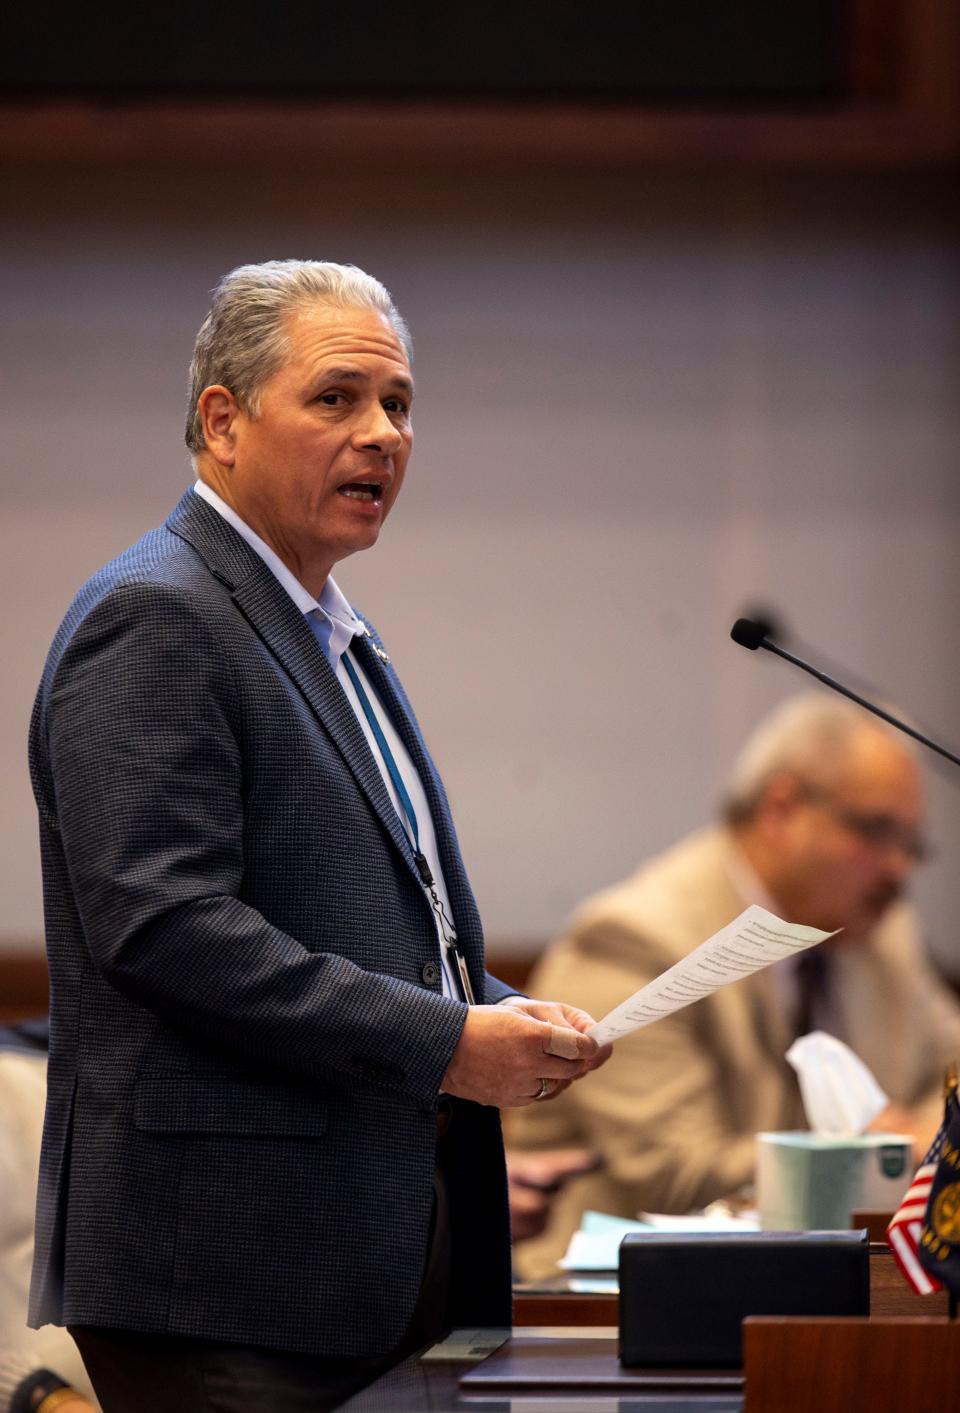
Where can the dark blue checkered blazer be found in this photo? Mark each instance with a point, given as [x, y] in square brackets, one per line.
[245, 1057]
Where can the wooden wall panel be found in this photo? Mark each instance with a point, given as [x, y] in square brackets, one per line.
[900, 106]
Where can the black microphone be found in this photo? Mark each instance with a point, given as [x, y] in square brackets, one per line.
[752, 635]
[749, 634]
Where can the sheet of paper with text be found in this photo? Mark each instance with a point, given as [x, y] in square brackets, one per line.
[753, 940]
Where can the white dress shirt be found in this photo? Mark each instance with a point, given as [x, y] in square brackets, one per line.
[827, 1011]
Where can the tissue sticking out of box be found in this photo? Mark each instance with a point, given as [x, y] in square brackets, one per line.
[840, 1096]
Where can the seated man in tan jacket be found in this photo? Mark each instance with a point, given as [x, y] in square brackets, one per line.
[824, 826]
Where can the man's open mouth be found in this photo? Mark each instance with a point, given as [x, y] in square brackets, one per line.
[362, 490]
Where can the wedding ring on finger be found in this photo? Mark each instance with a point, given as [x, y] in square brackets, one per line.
[546, 1087]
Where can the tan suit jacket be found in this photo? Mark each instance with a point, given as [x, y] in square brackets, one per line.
[675, 1111]
[23, 1087]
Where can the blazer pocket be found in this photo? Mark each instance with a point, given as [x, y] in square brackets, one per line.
[177, 1104]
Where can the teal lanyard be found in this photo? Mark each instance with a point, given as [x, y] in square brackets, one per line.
[423, 868]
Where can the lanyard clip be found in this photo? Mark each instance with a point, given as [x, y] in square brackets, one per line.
[460, 963]
[423, 868]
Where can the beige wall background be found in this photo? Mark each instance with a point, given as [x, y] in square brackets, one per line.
[646, 402]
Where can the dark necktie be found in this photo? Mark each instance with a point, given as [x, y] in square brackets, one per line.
[813, 980]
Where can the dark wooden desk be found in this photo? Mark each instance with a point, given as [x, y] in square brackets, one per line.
[586, 1379]
[570, 1324]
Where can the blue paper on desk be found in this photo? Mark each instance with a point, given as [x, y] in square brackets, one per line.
[596, 1245]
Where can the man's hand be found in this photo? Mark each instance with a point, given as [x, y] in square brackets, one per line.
[548, 1169]
[534, 1179]
[559, 1014]
[505, 1052]
[896, 1118]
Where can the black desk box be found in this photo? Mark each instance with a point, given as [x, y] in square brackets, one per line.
[683, 1296]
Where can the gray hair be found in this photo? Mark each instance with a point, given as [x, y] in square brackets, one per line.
[243, 340]
[809, 737]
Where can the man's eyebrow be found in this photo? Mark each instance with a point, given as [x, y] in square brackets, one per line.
[343, 375]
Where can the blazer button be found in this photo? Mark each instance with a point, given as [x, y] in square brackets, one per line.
[430, 974]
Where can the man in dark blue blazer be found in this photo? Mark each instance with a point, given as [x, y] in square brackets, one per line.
[271, 1156]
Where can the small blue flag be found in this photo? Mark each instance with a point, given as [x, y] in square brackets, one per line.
[939, 1247]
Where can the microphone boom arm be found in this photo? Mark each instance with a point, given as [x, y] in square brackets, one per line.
[861, 701]
[750, 635]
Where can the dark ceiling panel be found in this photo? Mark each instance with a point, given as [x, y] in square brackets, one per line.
[651, 49]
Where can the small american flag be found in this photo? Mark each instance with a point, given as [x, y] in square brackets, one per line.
[903, 1233]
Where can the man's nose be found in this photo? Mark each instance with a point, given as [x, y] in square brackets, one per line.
[376, 432]
[899, 860]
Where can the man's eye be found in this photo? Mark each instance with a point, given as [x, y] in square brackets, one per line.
[331, 399]
[397, 404]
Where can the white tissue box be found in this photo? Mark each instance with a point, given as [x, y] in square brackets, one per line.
[808, 1182]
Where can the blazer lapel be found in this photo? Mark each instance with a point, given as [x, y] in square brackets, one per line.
[279, 623]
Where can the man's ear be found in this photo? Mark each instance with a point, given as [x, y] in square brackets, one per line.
[781, 796]
[218, 412]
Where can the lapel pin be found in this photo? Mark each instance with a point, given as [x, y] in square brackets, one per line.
[378, 650]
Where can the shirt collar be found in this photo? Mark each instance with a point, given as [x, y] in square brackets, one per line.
[331, 604]
[752, 889]
[745, 878]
